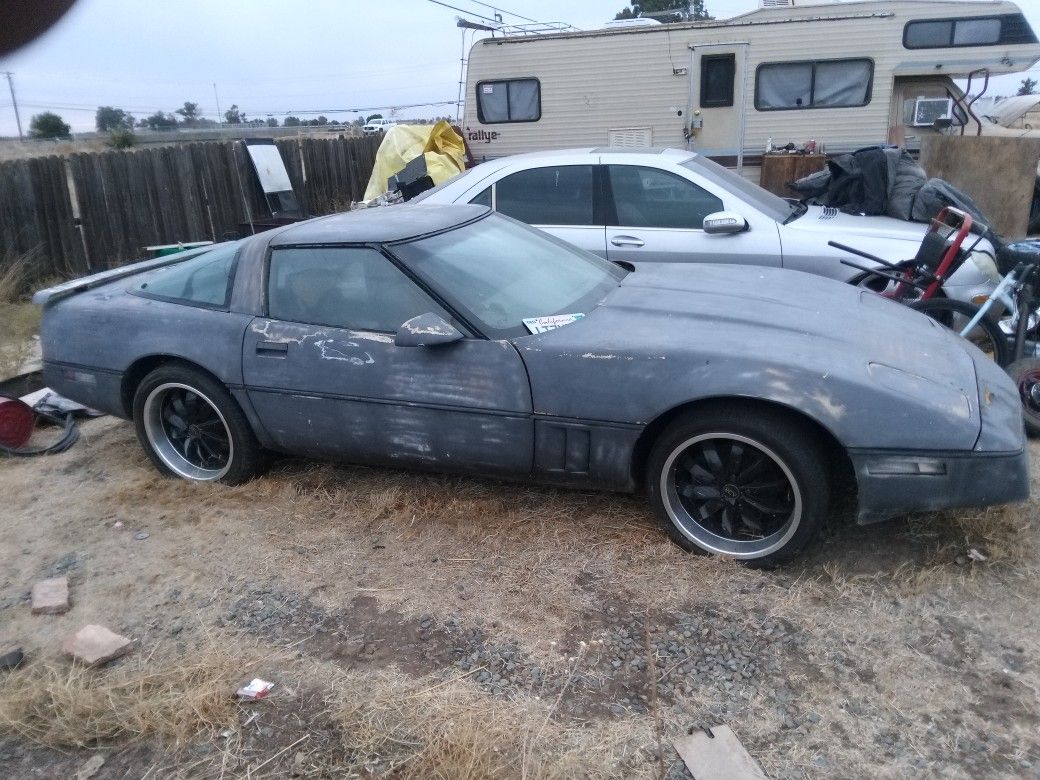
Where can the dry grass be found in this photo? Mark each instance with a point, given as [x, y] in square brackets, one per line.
[63, 705]
[448, 730]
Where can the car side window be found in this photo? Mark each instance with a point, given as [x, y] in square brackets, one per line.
[483, 199]
[555, 195]
[204, 280]
[343, 287]
[648, 197]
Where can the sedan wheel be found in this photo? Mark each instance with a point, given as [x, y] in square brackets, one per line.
[191, 427]
[188, 432]
[747, 486]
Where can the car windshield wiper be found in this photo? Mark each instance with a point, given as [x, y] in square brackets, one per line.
[799, 209]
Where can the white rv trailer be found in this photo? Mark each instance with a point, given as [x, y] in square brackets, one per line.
[847, 74]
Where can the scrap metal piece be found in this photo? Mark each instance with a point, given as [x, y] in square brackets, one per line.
[716, 754]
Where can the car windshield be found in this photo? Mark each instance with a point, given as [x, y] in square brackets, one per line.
[501, 274]
[776, 208]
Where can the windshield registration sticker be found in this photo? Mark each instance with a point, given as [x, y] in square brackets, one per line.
[552, 322]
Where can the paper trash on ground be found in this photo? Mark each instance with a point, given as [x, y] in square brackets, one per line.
[257, 689]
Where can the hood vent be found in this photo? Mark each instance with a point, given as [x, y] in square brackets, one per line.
[829, 212]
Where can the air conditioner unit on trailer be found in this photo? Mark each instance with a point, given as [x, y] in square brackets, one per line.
[776, 3]
[929, 110]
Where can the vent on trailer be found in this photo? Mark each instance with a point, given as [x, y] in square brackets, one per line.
[777, 3]
[631, 138]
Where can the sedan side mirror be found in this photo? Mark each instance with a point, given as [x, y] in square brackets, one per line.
[426, 330]
[723, 223]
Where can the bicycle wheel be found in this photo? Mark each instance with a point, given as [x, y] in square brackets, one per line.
[956, 315]
[887, 287]
[1026, 375]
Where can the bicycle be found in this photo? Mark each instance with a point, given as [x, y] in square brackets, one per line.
[1017, 294]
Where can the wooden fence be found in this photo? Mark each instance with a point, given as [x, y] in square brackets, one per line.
[90, 211]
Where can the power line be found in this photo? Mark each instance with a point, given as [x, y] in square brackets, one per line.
[503, 10]
[464, 11]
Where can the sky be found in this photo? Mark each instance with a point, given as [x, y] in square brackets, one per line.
[267, 57]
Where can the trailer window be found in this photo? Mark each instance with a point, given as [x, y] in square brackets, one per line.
[515, 100]
[717, 73]
[969, 31]
[555, 195]
[817, 84]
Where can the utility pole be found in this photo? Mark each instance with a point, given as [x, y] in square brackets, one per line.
[216, 97]
[14, 101]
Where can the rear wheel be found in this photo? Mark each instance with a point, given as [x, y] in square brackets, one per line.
[1026, 375]
[956, 315]
[748, 483]
[192, 428]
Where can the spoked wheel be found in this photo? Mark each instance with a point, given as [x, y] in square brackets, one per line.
[188, 432]
[191, 427]
[751, 486]
[956, 315]
[1026, 375]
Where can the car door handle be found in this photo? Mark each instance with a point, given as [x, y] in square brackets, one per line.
[626, 241]
[272, 348]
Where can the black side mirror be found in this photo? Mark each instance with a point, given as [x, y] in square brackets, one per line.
[426, 330]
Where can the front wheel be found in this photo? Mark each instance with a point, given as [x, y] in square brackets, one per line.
[1026, 375]
[192, 428]
[748, 483]
[955, 315]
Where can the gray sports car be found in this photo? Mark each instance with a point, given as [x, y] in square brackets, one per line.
[457, 339]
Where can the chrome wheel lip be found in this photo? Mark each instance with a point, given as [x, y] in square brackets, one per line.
[165, 449]
[711, 542]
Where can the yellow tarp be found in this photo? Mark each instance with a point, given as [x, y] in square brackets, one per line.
[442, 147]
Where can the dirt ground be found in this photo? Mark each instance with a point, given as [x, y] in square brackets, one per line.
[426, 626]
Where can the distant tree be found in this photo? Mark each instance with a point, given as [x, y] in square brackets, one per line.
[374, 116]
[108, 118]
[49, 125]
[291, 121]
[1028, 87]
[121, 138]
[233, 116]
[322, 120]
[190, 112]
[159, 121]
[272, 121]
[359, 122]
[687, 10]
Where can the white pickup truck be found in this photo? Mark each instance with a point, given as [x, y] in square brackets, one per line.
[378, 126]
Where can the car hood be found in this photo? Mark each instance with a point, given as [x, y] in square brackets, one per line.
[839, 352]
[839, 225]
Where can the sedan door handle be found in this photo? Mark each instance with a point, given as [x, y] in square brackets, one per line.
[626, 241]
[272, 348]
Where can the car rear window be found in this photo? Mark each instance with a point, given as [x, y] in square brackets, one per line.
[204, 280]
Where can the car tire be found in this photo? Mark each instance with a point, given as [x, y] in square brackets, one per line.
[714, 476]
[1025, 373]
[192, 428]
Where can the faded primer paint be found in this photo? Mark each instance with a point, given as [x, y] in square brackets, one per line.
[878, 378]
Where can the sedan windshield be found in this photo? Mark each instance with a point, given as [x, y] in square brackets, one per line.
[502, 275]
[776, 208]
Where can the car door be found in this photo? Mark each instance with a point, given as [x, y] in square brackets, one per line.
[325, 377]
[559, 199]
[656, 215]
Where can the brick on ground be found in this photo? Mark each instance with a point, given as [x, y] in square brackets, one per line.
[94, 645]
[51, 597]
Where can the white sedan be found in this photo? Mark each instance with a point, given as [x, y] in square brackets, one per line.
[676, 206]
